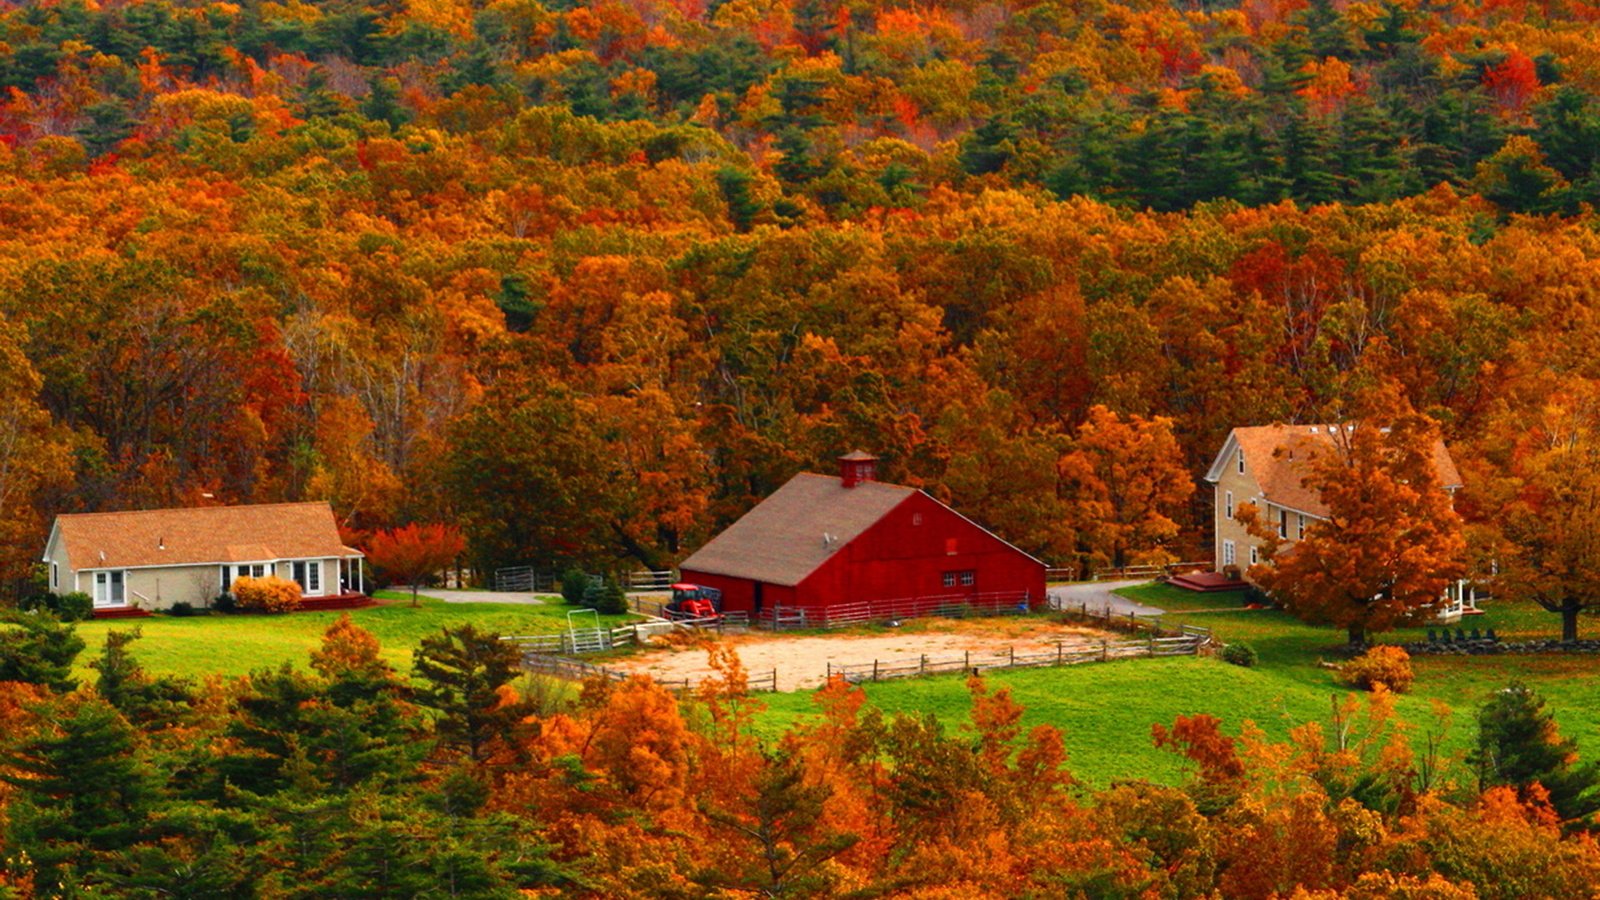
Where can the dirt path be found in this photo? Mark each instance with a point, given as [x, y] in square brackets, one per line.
[802, 662]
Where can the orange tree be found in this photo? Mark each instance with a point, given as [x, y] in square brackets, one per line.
[1392, 541]
[413, 552]
[1548, 500]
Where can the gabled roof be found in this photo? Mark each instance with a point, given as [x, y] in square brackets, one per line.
[200, 535]
[781, 540]
[1278, 458]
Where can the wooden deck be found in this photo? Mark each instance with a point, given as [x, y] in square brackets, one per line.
[1207, 582]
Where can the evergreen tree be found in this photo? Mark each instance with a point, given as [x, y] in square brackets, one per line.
[82, 795]
[1519, 745]
[465, 670]
[39, 650]
[148, 703]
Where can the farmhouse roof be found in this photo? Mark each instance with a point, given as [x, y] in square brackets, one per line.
[200, 535]
[1279, 456]
[789, 534]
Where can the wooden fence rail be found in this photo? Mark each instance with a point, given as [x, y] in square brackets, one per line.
[1063, 655]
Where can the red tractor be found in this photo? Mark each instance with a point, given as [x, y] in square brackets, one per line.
[692, 601]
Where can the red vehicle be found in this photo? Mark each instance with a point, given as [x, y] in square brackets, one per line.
[692, 601]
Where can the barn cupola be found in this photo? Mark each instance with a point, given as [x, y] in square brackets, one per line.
[856, 467]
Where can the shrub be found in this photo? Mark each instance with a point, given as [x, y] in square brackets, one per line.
[1386, 665]
[574, 583]
[269, 595]
[612, 599]
[224, 603]
[1240, 654]
[181, 608]
[74, 607]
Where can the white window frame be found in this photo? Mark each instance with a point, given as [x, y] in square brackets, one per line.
[1254, 555]
[1228, 555]
[1241, 460]
[1228, 503]
[55, 576]
[1283, 523]
[1302, 534]
[968, 578]
[948, 579]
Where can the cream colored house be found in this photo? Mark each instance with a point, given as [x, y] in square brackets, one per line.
[153, 558]
[1266, 465]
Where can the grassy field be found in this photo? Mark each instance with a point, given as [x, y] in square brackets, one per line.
[1106, 710]
[237, 645]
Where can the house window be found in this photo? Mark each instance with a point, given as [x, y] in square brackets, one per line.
[314, 577]
[227, 579]
[1228, 502]
[55, 575]
[1302, 532]
[1227, 553]
[1241, 460]
[1253, 558]
[1283, 523]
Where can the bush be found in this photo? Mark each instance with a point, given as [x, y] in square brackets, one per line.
[269, 595]
[181, 608]
[613, 599]
[1240, 654]
[224, 603]
[1386, 665]
[74, 607]
[574, 583]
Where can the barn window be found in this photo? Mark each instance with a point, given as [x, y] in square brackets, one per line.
[969, 578]
[916, 518]
[949, 579]
[950, 546]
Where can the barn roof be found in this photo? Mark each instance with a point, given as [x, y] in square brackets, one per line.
[1278, 457]
[200, 535]
[782, 540]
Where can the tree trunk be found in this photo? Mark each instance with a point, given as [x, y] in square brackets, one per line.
[1358, 634]
[1569, 622]
[413, 595]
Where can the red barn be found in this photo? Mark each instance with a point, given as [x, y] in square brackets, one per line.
[852, 547]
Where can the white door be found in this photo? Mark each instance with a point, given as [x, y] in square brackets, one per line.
[109, 589]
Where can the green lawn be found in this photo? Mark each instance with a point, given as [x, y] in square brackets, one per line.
[1106, 710]
[237, 645]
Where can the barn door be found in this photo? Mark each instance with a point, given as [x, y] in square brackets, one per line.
[759, 600]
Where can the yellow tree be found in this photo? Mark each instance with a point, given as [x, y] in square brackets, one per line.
[1548, 500]
[1123, 480]
[34, 455]
[1392, 541]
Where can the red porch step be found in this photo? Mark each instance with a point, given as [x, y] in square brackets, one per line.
[1207, 582]
[339, 601]
[122, 612]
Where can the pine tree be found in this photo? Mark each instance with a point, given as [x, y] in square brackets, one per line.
[1519, 745]
[82, 794]
[465, 670]
[40, 650]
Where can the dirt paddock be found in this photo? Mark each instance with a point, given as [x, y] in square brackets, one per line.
[802, 662]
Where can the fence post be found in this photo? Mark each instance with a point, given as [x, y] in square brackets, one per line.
[924, 669]
[1011, 655]
[874, 670]
[1152, 645]
[1105, 652]
[1059, 647]
[830, 670]
[966, 660]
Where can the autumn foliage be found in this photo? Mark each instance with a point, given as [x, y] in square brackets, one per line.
[414, 553]
[268, 594]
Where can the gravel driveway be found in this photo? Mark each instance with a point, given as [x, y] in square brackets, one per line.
[1097, 595]
[476, 596]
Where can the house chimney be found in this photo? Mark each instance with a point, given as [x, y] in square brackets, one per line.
[856, 467]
